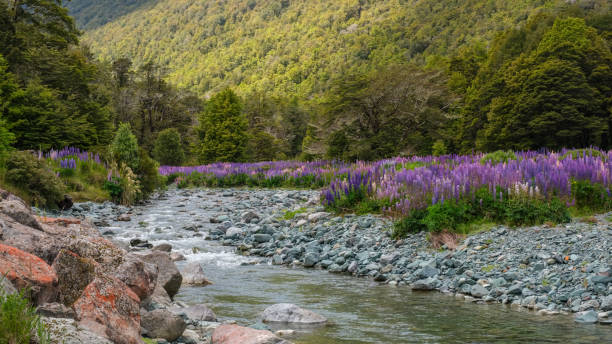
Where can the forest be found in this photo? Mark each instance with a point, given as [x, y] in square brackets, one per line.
[245, 80]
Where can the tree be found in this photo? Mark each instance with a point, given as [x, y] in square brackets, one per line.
[222, 129]
[124, 147]
[168, 148]
[8, 86]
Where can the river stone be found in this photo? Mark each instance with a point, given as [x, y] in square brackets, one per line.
[233, 233]
[310, 259]
[317, 216]
[427, 271]
[162, 323]
[478, 291]
[168, 276]
[290, 313]
[586, 317]
[195, 313]
[425, 284]
[124, 218]
[249, 217]
[606, 303]
[261, 238]
[163, 248]
[193, 274]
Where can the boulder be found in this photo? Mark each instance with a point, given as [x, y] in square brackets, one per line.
[66, 331]
[233, 233]
[101, 250]
[168, 275]
[110, 309]
[25, 270]
[162, 323]
[55, 310]
[65, 203]
[159, 299]
[425, 284]
[163, 248]
[16, 209]
[234, 334]
[195, 313]
[193, 274]
[290, 313]
[74, 274]
[137, 274]
[586, 317]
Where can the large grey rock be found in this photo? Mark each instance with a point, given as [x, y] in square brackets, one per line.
[586, 317]
[290, 313]
[310, 259]
[195, 313]
[169, 277]
[606, 303]
[193, 274]
[233, 233]
[261, 238]
[479, 291]
[425, 284]
[16, 209]
[162, 323]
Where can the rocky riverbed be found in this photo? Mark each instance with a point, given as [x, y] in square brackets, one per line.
[551, 270]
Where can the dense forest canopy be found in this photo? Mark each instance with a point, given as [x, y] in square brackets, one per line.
[264, 80]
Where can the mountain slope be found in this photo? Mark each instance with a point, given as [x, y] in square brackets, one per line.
[92, 14]
[294, 46]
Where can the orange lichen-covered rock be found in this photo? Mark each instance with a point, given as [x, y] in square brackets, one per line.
[234, 334]
[109, 308]
[25, 270]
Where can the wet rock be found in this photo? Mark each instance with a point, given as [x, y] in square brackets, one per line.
[290, 313]
[25, 270]
[478, 291]
[234, 334]
[261, 238]
[163, 248]
[586, 317]
[193, 274]
[137, 274]
[425, 284]
[74, 274]
[310, 259]
[66, 203]
[168, 275]
[55, 310]
[162, 323]
[124, 218]
[196, 313]
[110, 309]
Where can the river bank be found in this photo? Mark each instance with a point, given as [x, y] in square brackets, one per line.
[551, 270]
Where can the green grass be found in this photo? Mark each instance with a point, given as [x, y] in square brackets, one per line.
[149, 341]
[290, 214]
[19, 322]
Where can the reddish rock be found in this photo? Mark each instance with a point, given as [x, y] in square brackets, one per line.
[140, 276]
[74, 273]
[234, 334]
[109, 308]
[25, 270]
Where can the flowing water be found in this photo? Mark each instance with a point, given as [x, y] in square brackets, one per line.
[359, 310]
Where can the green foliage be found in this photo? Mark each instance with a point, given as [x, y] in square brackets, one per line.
[581, 153]
[114, 188]
[498, 157]
[465, 216]
[593, 197]
[222, 129]
[289, 215]
[545, 84]
[124, 147]
[168, 148]
[6, 139]
[148, 174]
[438, 148]
[19, 322]
[35, 178]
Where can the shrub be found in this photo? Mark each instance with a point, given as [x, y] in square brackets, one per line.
[168, 148]
[590, 196]
[35, 178]
[148, 174]
[124, 147]
[19, 322]
[498, 157]
[6, 139]
[446, 216]
[581, 153]
[410, 224]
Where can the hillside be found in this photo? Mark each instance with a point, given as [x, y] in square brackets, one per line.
[288, 47]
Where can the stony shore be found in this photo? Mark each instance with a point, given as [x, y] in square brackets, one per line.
[551, 270]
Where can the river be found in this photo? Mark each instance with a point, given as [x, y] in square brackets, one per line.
[359, 310]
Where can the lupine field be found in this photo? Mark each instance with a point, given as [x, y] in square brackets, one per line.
[429, 192]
